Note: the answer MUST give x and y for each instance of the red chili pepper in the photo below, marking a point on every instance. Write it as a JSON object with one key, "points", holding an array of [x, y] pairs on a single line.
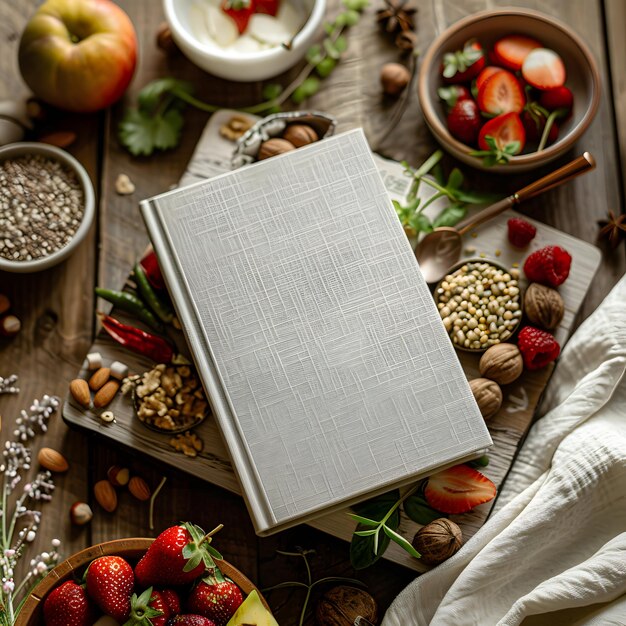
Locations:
{"points": [[150, 265], [152, 346]]}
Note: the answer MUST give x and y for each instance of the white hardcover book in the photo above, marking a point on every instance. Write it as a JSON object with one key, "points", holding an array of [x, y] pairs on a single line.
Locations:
{"points": [[327, 366]]}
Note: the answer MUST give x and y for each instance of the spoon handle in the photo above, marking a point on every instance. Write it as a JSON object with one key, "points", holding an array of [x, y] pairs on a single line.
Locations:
{"points": [[579, 165]]}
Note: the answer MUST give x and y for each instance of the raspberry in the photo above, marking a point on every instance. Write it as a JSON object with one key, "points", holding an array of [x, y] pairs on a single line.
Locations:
{"points": [[538, 347], [548, 266], [521, 232]]}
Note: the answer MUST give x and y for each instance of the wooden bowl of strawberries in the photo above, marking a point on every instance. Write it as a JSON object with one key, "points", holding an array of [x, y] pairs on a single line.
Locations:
{"points": [[508, 90], [177, 579]]}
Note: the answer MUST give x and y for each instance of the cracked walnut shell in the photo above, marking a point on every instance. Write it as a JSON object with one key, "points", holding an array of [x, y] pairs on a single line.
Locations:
{"points": [[502, 363], [544, 306]]}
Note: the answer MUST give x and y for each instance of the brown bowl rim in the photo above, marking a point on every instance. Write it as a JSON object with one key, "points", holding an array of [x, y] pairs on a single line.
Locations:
{"points": [[118, 547], [458, 266], [525, 160]]}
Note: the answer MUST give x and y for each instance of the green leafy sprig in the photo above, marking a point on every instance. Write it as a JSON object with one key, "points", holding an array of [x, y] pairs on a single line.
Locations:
{"points": [[157, 121], [497, 155], [411, 214], [311, 584]]}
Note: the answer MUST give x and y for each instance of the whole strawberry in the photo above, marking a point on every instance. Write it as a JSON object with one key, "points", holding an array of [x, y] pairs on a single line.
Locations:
{"points": [[215, 599], [172, 600], [148, 609], [549, 266], [190, 620], [110, 583], [176, 557], [464, 121], [538, 347], [521, 232], [68, 605]]}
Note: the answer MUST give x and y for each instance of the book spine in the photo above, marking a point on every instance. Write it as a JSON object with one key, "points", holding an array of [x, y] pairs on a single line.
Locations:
{"points": [[202, 355]]}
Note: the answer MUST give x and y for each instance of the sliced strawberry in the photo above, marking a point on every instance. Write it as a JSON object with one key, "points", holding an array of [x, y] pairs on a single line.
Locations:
{"points": [[544, 69], [512, 50], [557, 98], [464, 65], [486, 73], [464, 121], [507, 132], [501, 93], [269, 7], [458, 489], [241, 11]]}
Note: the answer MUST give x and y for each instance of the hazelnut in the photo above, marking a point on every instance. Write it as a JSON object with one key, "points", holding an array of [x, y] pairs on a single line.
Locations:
{"points": [[118, 476], [502, 363], [80, 513], [300, 135], [544, 306], [164, 40], [438, 541], [273, 147], [394, 77], [488, 396]]}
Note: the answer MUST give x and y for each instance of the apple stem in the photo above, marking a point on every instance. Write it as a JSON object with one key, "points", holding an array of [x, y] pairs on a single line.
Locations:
{"points": [[209, 536]]}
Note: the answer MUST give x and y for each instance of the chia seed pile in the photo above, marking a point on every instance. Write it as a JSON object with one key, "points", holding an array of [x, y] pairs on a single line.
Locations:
{"points": [[41, 207]]}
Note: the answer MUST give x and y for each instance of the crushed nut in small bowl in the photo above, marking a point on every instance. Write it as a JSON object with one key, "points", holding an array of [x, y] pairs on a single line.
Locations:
{"points": [[480, 304], [170, 399]]}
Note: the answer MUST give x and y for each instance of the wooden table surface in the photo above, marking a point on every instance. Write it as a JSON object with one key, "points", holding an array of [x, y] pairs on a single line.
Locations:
{"points": [[57, 307]]}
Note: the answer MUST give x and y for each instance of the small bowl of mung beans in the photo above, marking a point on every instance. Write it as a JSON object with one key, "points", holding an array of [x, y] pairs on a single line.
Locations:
{"points": [[47, 206], [480, 304]]}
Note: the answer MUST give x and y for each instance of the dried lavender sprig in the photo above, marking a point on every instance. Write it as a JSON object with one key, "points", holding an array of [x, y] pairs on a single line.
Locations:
{"points": [[9, 384]]}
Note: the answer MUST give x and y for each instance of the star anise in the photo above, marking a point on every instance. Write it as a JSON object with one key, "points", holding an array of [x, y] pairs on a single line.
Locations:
{"points": [[613, 228], [396, 17]]}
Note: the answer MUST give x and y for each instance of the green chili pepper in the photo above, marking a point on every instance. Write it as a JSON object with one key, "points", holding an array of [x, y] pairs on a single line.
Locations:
{"points": [[132, 304], [151, 298]]}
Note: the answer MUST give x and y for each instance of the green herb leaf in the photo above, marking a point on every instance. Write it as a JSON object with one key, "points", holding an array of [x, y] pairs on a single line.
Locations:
{"points": [[355, 5], [325, 67], [377, 508], [149, 97], [314, 54], [419, 511], [364, 521], [450, 216], [142, 134], [348, 18], [421, 223], [401, 541], [271, 91], [455, 180], [366, 533], [341, 44], [329, 28], [365, 551]]}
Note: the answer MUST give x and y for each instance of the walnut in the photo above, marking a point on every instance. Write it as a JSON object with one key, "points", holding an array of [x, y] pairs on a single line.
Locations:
{"points": [[189, 444], [438, 541], [273, 147], [488, 396], [344, 605], [300, 135], [544, 306], [236, 127], [502, 363], [394, 78]]}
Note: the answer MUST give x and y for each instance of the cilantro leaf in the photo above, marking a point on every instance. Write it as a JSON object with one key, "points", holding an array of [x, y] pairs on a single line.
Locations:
{"points": [[142, 134], [151, 96]]}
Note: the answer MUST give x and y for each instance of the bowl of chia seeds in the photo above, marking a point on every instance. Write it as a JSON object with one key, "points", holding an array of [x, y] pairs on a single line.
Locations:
{"points": [[47, 206]]}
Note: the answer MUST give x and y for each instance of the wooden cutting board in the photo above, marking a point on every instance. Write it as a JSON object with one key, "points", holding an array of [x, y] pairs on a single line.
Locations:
{"points": [[507, 428]]}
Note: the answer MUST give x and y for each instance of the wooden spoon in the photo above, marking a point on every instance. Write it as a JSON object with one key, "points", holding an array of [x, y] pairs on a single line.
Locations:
{"points": [[441, 249]]}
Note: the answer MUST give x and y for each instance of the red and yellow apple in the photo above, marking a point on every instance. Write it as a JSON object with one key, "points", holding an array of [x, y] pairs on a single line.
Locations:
{"points": [[78, 55]]}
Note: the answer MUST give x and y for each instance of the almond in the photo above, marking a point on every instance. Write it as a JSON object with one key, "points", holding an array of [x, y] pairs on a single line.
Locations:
{"points": [[52, 460], [139, 488], [80, 392], [118, 476], [99, 377], [105, 495], [106, 393]]}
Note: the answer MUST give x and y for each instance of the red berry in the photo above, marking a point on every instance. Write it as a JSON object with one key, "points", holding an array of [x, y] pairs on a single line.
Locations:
{"points": [[68, 605], [506, 131], [458, 489], [453, 94], [521, 232], [241, 11], [172, 600], [190, 620], [462, 66], [538, 347], [501, 93], [110, 584], [217, 601], [543, 69], [269, 7], [488, 72], [512, 50], [557, 98], [549, 266], [464, 121]]}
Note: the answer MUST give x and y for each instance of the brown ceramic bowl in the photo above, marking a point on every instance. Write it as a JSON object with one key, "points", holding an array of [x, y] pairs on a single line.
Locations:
{"points": [[131, 549], [487, 27]]}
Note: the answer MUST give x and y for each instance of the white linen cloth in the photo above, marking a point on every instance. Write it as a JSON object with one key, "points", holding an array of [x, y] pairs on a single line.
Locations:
{"points": [[554, 551]]}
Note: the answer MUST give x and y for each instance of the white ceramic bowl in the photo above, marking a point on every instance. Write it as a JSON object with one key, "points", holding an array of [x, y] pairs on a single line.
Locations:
{"points": [[583, 79], [242, 67], [15, 150]]}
